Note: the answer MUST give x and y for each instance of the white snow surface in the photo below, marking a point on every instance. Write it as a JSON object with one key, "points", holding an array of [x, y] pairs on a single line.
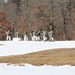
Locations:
{"points": [[24, 47], [36, 70]]}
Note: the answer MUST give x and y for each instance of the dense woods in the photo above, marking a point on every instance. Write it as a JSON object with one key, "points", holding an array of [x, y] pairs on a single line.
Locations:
{"points": [[4, 25], [28, 15]]}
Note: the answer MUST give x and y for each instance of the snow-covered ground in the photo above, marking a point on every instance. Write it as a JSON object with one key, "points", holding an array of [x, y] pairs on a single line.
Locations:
{"points": [[36, 70], [23, 47]]}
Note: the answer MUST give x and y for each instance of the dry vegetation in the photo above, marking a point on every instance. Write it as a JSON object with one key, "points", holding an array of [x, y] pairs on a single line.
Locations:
{"points": [[50, 57]]}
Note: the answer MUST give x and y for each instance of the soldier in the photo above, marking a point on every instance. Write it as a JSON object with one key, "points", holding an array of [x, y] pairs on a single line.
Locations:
{"points": [[37, 35], [16, 34], [44, 35], [34, 38], [51, 26], [8, 37], [25, 36], [31, 34], [41, 34], [50, 35]]}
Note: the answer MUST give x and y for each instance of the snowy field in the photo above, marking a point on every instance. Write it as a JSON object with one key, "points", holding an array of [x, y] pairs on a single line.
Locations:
{"points": [[36, 70], [23, 47]]}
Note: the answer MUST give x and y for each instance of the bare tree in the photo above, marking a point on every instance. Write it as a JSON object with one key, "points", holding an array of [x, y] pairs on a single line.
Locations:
{"points": [[64, 13]]}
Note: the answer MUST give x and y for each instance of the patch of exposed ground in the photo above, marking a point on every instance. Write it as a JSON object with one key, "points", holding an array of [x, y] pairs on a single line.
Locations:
{"points": [[50, 57]]}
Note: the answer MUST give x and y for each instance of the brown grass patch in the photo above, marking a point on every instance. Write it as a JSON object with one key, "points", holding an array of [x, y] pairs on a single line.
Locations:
{"points": [[50, 57]]}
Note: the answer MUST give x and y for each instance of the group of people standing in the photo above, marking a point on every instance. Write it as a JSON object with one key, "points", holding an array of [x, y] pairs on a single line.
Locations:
{"points": [[8, 35], [40, 35]]}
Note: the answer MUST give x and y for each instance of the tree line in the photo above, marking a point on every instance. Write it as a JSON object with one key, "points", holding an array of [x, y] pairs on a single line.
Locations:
{"points": [[39, 14]]}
